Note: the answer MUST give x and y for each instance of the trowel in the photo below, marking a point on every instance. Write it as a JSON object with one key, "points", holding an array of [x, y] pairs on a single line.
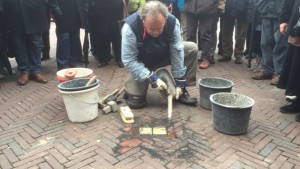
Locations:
{"points": [[169, 93]]}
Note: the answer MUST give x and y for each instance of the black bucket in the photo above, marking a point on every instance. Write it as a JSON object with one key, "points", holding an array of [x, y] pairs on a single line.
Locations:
{"points": [[212, 85], [77, 84], [231, 112]]}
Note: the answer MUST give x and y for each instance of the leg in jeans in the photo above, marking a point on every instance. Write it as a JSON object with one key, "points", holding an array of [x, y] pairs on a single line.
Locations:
{"points": [[21, 52], [267, 45], [34, 45], [280, 51], [63, 50]]}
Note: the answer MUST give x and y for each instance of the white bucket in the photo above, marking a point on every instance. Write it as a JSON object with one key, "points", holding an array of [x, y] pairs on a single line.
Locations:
{"points": [[82, 105]]}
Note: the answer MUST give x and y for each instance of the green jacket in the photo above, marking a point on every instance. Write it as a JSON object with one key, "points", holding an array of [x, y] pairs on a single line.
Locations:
{"points": [[134, 5]]}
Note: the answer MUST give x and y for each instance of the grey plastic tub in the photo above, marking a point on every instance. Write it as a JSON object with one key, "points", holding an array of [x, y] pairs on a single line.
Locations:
{"points": [[77, 84], [231, 112], [212, 85]]}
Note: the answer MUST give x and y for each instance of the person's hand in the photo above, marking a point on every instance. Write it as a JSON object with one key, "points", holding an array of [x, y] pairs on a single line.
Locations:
{"points": [[156, 82], [283, 28], [179, 84]]}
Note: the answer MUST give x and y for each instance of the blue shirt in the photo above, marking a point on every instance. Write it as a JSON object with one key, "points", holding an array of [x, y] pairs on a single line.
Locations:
{"points": [[137, 68]]}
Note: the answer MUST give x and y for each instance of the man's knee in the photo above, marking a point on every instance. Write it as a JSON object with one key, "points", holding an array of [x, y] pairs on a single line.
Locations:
{"points": [[135, 101]]}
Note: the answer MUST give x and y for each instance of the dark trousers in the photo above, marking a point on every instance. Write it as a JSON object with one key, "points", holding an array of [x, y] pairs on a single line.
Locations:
{"points": [[69, 51], [103, 43]]}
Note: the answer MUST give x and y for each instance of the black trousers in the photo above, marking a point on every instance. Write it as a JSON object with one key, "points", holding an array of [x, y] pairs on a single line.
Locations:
{"points": [[103, 43]]}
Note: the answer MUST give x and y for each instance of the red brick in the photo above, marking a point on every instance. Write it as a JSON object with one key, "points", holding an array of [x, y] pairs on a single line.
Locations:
{"points": [[131, 143], [58, 156]]}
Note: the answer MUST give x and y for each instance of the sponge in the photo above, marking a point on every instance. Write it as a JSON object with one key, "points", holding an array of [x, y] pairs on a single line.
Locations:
{"points": [[126, 114]]}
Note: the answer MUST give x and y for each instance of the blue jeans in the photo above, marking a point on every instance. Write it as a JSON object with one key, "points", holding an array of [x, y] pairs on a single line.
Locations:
{"points": [[273, 46], [28, 52], [68, 50]]}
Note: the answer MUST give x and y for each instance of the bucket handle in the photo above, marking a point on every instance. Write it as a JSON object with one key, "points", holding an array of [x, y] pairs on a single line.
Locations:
{"points": [[84, 101]]}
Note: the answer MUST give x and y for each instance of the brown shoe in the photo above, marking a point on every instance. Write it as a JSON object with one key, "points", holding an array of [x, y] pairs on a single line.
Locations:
{"points": [[24, 78], [38, 77], [261, 76], [275, 80], [204, 64]]}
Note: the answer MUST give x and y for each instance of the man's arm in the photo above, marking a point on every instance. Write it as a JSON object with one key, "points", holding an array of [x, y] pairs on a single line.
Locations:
{"points": [[130, 53], [177, 53]]}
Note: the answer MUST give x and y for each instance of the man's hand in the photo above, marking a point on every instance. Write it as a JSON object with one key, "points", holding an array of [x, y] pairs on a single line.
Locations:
{"points": [[180, 84], [283, 28], [157, 83]]}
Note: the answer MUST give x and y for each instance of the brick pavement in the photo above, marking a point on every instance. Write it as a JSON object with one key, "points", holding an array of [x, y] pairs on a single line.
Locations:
{"points": [[35, 131]]}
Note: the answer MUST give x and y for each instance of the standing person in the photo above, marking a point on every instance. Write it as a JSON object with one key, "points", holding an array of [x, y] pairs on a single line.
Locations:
{"points": [[290, 79], [27, 20], [273, 44], [208, 19], [151, 39], [103, 18], [234, 18], [68, 16]]}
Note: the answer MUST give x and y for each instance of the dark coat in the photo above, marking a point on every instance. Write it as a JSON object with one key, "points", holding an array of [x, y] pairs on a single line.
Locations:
{"points": [[290, 14], [252, 14], [68, 15], [269, 8], [104, 15], [201, 7], [25, 16], [2, 23], [236, 8]]}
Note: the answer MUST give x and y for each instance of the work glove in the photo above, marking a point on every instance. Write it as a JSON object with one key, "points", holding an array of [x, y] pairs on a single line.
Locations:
{"points": [[156, 82], [179, 84]]}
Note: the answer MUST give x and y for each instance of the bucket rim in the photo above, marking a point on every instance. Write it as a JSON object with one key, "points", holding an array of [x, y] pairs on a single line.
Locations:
{"points": [[227, 106], [79, 91], [97, 81], [218, 78]]}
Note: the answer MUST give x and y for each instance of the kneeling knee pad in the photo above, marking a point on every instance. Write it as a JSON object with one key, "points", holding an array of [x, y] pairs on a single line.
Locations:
{"points": [[134, 101]]}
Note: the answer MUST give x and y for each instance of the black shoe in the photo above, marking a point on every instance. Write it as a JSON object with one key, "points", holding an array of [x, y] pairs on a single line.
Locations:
{"points": [[224, 59], [45, 57], [297, 118], [185, 98], [291, 108], [120, 64], [102, 64]]}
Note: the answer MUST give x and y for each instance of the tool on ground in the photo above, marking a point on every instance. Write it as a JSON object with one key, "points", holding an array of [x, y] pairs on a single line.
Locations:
{"points": [[126, 114], [109, 103], [170, 93], [92, 80]]}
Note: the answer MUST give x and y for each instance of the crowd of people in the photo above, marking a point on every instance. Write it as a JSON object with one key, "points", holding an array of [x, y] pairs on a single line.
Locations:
{"points": [[268, 28]]}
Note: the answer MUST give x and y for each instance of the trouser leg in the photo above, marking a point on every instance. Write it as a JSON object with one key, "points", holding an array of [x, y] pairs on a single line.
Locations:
{"points": [[190, 61], [240, 37], [267, 46]]}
